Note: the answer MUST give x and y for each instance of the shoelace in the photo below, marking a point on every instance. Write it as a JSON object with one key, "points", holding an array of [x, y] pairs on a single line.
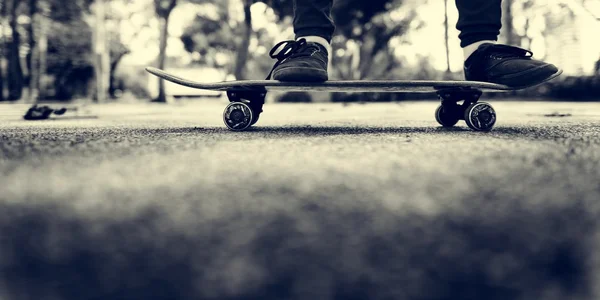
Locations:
{"points": [[290, 49], [505, 51]]}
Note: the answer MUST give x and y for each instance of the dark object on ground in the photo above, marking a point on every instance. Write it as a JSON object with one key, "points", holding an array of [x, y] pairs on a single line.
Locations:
{"points": [[42, 112], [557, 114]]}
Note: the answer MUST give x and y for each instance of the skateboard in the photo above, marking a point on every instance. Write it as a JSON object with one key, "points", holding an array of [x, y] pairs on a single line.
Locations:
{"points": [[247, 97]]}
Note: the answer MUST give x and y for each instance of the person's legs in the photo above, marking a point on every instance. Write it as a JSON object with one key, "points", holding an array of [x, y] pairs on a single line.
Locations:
{"points": [[306, 59], [479, 24], [479, 21], [313, 18]]}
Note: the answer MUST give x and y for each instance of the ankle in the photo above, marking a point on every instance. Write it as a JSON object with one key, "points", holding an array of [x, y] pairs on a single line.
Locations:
{"points": [[317, 39], [470, 49]]}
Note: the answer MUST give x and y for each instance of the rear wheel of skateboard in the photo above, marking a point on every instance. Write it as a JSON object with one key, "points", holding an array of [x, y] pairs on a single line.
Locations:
{"points": [[445, 117], [238, 116], [480, 116]]}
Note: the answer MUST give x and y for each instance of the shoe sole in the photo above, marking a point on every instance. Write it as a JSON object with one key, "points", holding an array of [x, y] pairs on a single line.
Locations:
{"points": [[300, 74]]}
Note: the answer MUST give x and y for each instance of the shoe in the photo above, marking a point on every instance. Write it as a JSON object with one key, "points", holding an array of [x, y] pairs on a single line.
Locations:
{"points": [[299, 61], [508, 65]]}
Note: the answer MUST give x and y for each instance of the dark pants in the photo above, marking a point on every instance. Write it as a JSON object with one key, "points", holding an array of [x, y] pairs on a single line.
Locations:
{"points": [[478, 19]]}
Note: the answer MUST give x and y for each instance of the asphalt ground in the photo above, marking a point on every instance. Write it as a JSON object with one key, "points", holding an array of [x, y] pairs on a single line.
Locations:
{"points": [[320, 201]]}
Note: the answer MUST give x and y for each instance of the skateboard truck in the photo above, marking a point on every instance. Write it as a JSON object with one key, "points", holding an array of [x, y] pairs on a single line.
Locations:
{"points": [[479, 116], [467, 94], [244, 108]]}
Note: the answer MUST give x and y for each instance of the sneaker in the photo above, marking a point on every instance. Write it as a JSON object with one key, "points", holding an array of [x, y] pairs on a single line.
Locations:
{"points": [[508, 65], [299, 61]]}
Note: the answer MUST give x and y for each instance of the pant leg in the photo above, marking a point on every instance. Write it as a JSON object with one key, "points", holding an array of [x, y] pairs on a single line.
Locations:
{"points": [[313, 17], [478, 20]]}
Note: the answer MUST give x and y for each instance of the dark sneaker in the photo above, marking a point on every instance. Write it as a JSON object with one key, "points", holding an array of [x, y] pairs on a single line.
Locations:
{"points": [[508, 65], [299, 61]]}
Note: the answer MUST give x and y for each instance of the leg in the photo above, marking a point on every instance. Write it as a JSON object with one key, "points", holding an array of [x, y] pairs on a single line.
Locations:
{"points": [[313, 18], [306, 58], [480, 22]]}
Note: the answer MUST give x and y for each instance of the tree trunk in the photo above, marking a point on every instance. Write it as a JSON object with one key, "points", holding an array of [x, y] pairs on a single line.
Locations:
{"points": [[31, 39], [163, 9], [32, 58], [446, 37], [40, 54], [1, 70], [101, 54], [162, 56], [507, 22], [2, 47], [242, 53], [15, 73], [113, 69]]}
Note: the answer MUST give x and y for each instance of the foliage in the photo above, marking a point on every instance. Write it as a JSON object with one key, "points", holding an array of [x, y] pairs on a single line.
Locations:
{"points": [[69, 58], [68, 11], [571, 88], [209, 35], [365, 38], [282, 8]]}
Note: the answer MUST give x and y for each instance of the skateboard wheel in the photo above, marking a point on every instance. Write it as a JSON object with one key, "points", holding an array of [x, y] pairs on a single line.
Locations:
{"points": [[445, 118], [480, 116], [238, 116]]}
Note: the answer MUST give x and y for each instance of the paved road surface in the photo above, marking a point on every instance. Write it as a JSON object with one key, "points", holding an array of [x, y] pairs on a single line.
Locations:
{"points": [[317, 202]]}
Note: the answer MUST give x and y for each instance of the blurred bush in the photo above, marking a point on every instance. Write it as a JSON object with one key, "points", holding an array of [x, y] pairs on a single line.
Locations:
{"points": [[585, 88], [69, 60], [133, 80], [295, 97]]}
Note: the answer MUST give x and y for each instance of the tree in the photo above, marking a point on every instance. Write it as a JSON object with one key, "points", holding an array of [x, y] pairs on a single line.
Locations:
{"points": [[281, 7], [15, 72], [2, 47], [163, 9], [38, 47], [507, 22], [370, 26], [32, 46], [213, 35], [446, 37], [101, 53], [242, 52], [69, 58], [117, 52]]}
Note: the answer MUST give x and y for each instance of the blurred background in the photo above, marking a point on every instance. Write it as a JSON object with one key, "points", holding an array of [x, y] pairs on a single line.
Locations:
{"points": [[96, 50]]}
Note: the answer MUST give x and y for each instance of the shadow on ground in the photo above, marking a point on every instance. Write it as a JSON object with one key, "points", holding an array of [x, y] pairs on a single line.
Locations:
{"points": [[483, 249]]}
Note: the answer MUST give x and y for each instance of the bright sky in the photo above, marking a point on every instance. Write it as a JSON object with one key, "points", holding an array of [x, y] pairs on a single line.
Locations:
{"points": [[427, 41]]}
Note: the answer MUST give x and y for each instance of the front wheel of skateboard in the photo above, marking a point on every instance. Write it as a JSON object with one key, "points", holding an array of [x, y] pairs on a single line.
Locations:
{"points": [[238, 116], [445, 117], [480, 116]]}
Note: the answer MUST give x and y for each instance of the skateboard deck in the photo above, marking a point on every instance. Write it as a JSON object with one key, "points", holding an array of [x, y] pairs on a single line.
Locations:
{"points": [[391, 86]]}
